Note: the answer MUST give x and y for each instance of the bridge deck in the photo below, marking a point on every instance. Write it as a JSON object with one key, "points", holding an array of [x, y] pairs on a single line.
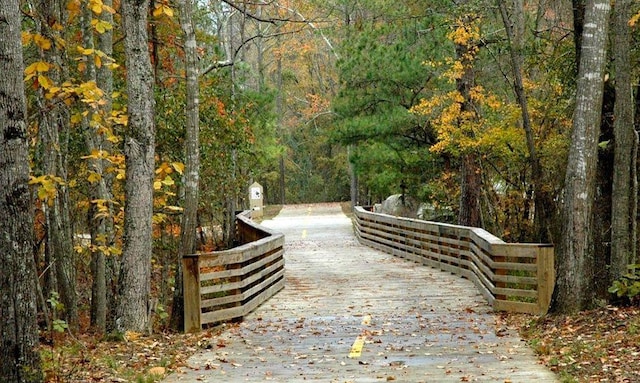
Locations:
{"points": [[352, 314]]}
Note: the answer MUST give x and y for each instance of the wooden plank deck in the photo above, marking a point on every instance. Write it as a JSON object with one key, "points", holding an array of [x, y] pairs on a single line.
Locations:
{"points": [[352, 314]]}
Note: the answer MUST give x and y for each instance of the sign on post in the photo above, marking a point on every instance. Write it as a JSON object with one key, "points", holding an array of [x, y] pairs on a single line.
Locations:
{"points": [[255, 200]]}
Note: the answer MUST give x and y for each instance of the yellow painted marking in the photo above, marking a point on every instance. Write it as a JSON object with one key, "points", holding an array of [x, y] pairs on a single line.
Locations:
{"points": [[304, 233], [356, 349]]}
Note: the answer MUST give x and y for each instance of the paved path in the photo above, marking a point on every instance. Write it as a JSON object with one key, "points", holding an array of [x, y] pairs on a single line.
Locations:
{"points": [[352, 314]]}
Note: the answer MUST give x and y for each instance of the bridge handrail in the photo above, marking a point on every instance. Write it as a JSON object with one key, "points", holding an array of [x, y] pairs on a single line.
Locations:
{"points": [[516, 277], [228, 284]]}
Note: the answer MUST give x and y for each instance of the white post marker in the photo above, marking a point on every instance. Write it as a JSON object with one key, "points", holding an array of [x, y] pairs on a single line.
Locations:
{"points": [[255, 200]]}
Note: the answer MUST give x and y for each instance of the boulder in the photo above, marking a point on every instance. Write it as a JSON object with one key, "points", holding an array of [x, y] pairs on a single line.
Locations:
{"points": [[400, 206]]}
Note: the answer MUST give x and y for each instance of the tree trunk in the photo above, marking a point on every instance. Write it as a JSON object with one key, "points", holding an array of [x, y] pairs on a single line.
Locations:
{"points": [[470, 183], [192, 149], [578, 27], [514, 27], [280, 113], [623, 246], [54, 133], [135, 272], [470, 177], [574, 253], [19, 356], [100, 221], [105, 83]]}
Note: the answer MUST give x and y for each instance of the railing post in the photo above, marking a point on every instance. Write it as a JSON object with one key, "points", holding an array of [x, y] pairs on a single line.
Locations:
{"points": [[546, 277], [191, 291]]}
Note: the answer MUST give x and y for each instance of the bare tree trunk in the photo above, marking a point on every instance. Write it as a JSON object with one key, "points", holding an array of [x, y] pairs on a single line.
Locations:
{"points": [[623, 246], [100, 221], [574, 254], [54, 133], [280, 112], [19, 356], [192, 149], [470, 183], [514, 27], [132, 311], [105, 83]]}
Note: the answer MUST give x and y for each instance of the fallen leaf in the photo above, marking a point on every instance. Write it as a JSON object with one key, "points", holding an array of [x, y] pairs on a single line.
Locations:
{"points": [[160, 371]]}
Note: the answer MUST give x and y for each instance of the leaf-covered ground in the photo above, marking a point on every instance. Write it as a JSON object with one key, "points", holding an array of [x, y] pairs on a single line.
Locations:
{"points": [[602, 345], [596, 346], [136, 358]]}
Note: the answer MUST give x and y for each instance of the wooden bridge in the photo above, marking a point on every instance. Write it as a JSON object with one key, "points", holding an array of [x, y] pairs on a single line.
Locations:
{"points": [[349, 313]]}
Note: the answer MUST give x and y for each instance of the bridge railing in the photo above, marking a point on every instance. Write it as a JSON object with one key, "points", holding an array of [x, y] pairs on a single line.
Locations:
{"points": [[512, 277], [225, 285]]}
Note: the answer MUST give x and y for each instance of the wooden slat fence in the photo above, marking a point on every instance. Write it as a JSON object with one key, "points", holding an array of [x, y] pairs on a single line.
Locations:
{"points": [[225, 285], [513, 277]]}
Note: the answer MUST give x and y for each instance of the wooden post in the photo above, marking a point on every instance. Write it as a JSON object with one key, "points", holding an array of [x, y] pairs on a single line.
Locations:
{"points": [[191, 288], [546, 277]]}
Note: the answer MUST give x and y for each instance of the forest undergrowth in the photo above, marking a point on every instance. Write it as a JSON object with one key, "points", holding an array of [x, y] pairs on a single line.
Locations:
{"points": [[601, 345]]}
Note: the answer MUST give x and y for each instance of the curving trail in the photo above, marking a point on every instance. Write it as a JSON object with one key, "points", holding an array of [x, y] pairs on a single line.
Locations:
{"points": [[352, 314]]}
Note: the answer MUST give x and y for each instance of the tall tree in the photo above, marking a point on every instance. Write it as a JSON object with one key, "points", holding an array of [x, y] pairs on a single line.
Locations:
{"points": [[19, 357], [97, 141], [192, 153], [132, 311], [623, 204], [574, 255], [470, 176], [514, 24], [54, 129]]}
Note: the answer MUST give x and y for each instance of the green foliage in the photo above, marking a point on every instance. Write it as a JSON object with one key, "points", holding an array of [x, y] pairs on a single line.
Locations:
{"points": [[628, 286], [382, 76]]}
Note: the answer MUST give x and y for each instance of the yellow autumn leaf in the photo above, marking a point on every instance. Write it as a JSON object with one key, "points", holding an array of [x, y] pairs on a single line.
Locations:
{"points": [[96, 6], [98, 61], [94, 177], [38, 66], [178, 166], [168, 181], [44, 82], [76, 118], [36, 180], [42, 42], [157, 185], [167, 10], [73, 7], [161, 168], [159, 218], [102, 26], [85, 51], [157, 11], [26, 38]]}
